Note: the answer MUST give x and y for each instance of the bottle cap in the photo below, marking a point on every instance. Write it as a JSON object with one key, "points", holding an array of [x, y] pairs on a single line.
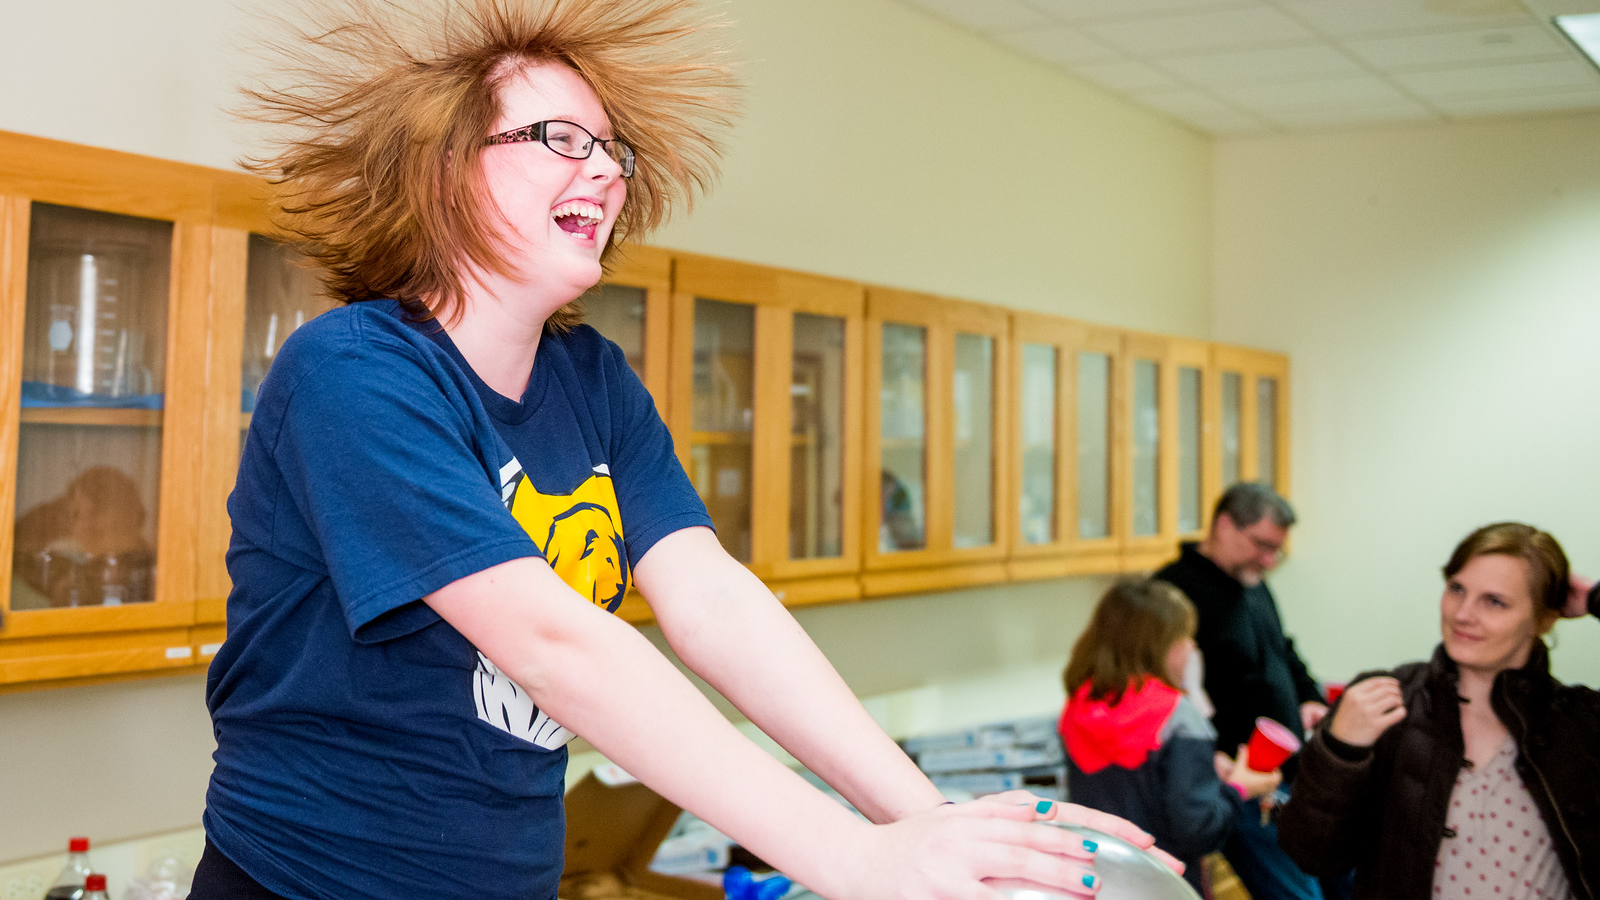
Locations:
{"points": [[94, 883], [78, 845]]}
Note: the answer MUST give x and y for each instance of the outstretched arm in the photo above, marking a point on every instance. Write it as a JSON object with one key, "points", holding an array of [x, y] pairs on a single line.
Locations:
{"points": [[729, 629], [599, 677]]}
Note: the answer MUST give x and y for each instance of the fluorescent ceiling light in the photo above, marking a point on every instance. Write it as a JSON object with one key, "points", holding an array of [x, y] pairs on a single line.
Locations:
{"points": [[1584, 32]]}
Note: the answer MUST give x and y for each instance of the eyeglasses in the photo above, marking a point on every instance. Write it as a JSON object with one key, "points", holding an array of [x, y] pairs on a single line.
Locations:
{"points": [[567, 139], [1266, 547]]}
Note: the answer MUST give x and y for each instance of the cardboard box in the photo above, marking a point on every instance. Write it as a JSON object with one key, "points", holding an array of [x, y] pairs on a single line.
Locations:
{"points": [[614, 825]]}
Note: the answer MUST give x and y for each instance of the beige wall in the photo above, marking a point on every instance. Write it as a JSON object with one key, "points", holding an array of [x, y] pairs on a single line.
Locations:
{"points": [[1438, 293], [857, 159]]}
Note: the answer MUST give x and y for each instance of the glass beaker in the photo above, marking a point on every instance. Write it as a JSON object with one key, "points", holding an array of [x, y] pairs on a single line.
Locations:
{"points": [[83, 329]]}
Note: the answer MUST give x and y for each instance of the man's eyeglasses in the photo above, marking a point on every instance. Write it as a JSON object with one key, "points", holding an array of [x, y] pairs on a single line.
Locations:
{"points": [[1266, 547], [567, 139]]}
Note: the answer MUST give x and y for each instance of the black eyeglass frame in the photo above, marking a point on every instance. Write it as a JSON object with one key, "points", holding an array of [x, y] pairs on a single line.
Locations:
{"points": [[537, 133]]}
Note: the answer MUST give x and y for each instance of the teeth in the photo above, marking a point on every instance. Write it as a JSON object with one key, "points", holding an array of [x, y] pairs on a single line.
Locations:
{"points": [[591, 212]]}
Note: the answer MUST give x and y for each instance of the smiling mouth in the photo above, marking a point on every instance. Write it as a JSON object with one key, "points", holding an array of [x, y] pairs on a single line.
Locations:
{"points": [[578, 218]]}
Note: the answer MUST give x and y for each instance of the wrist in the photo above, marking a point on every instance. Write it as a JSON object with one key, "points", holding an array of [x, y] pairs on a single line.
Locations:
{"points": [[1241, 790]]}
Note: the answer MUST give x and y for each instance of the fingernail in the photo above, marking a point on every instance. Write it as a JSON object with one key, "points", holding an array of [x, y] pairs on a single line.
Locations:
{"points": [[1043, 807], [1089, 880], [1091, 846]]}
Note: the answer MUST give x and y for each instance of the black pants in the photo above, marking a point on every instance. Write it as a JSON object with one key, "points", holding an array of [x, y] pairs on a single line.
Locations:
{"points": [[217, 878]]}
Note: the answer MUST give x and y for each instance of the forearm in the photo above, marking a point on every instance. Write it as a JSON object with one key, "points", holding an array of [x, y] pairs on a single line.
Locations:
{"points": [[736, 636], [1332, 800], [600, 678]]}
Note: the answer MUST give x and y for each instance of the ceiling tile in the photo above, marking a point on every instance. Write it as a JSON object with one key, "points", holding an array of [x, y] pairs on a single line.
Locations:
{"points": [[1058, 44], [1342, 93], [1200, 31], [1128, 76], [1508, 78], [1548, 101], [1309, 117], [1456, 48], [1346, 18], [1264, 65], [1072, 11], [989, 15]]}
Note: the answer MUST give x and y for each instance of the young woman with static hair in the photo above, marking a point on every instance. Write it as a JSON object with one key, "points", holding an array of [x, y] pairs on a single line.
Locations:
{"points": [[1473, 774], [449, 483], [1136, 746]]}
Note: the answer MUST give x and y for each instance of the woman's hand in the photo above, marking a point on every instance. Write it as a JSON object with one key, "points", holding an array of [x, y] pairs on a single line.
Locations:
{"points": [[1578, 597], [1367, 709], [974, 850], [1255, 784], [968, 851]]}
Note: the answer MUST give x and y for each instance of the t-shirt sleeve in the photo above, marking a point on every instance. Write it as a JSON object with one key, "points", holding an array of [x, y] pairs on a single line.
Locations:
{"points": [[387, 472]]}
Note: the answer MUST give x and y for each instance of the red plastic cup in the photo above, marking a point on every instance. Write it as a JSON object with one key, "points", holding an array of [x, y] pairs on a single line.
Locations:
{"points": [[1334, 690], [1271, 744]]}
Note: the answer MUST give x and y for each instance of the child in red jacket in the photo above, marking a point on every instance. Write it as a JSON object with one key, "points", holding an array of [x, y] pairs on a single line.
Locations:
{"points": [[1136, 745]]}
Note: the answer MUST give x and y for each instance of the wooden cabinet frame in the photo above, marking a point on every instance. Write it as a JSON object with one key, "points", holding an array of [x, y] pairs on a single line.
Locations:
{"points": [[776, 296], [940, 564], [68, 644], [1253, 365]]}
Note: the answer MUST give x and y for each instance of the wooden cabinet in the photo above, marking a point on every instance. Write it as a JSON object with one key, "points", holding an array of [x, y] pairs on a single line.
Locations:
{"points": [[1252, 400], [1068, 486], [766, 407], [849, 441], [1166, 447], [937, 443], [109, 265]]}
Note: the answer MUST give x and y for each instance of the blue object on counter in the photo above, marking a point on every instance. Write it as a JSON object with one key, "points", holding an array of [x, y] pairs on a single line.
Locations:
{"points": [[43, 395], [739, 884]]}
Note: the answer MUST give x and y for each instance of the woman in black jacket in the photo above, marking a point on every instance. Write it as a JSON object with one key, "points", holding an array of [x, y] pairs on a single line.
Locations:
{"points": [[1475, 774]]}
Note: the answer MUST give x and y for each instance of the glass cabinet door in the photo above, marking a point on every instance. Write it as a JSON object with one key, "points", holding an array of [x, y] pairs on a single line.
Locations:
{"points": [[619, 312], [817, 452], [1190, 440], [1189, 467], [974, 407], [903, 438], [1267, 430], [1146, 448], [722, 410], [281, 294], [1232, 427], [632, 308], [88, 476], [1037, 505], [1095, 408]]}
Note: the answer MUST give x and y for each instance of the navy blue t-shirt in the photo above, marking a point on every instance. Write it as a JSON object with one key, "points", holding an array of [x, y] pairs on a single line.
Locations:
{"points": [[364, 747]]}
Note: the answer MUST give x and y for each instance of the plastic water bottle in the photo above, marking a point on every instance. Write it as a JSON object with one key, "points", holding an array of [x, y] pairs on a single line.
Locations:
{"points": [[69, 884], [94, 888]]}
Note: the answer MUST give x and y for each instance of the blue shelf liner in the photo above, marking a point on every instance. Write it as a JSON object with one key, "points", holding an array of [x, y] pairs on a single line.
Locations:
{"points": [[42, 395]]}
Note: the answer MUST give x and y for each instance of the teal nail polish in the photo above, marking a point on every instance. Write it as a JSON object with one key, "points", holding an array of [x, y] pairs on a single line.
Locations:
{"points": [[1091, 846], [1088, 881], [1043, 807]]}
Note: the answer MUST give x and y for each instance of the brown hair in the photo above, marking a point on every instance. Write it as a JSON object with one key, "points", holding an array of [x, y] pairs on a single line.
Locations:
{"points": [[386, 111], [1548, 574], [1133, 627]]}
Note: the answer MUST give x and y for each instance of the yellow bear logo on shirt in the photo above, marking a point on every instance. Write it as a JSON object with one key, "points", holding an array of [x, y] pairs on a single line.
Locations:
{"points": [[580, 535]]}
